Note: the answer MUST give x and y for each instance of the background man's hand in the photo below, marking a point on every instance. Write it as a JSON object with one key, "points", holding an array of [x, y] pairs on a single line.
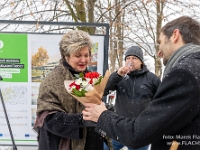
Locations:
{"points": [[123, 70]]}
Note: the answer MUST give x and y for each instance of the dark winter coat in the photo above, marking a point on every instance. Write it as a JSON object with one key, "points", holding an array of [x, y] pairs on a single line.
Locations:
{"points": [[173, 114], [133, 94]]}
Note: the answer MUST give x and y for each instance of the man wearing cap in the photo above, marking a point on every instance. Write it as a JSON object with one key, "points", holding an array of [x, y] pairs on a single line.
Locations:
{"points": [[134, 90]]}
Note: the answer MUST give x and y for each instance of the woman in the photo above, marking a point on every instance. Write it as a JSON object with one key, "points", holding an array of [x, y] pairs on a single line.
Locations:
{"points": [[59, 120]]}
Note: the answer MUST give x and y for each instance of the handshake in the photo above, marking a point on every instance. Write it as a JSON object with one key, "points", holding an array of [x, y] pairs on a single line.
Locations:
{"points": [[87, 123]]}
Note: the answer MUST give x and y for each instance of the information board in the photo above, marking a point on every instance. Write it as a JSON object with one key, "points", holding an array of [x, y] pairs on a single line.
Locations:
{"points": [[22, 78]]}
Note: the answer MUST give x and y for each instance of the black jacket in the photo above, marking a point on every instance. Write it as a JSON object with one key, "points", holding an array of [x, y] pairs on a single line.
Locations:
{"points": [[134, 93], [62, 125], [173, 114]]}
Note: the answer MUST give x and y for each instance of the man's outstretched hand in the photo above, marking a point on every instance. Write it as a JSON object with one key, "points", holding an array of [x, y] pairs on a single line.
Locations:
{"points": [[93, 111]]}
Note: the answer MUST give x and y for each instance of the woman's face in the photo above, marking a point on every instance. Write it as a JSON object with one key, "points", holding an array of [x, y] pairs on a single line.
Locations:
{"points": [[79, 60]]}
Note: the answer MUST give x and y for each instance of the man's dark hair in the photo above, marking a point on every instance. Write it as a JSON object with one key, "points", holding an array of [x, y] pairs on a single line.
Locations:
{"points": [[188, 27]]}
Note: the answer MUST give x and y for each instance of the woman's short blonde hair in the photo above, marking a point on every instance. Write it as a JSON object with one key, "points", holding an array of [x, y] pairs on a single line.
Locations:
{"points": [[74, 41]]}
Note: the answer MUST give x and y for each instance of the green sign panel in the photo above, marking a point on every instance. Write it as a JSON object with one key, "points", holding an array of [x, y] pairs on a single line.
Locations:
{"points": [[13, 57]]}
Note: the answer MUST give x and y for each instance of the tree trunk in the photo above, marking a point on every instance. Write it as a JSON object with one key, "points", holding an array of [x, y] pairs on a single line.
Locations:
{"points": [[158, 64], [120, 35], [113, 47], [91, 15]]}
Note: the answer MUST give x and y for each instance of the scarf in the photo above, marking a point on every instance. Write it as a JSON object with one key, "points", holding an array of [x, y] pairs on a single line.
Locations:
{"points": [[180, 54]]}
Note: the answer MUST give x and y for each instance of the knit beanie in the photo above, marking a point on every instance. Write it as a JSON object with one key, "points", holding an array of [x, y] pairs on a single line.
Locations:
{"points": [[135, 51]]}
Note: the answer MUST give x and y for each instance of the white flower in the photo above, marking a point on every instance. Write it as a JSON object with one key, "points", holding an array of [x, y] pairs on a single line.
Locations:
{"points": [[89, 87], [94, 81], [78, 81], [84, 83]]}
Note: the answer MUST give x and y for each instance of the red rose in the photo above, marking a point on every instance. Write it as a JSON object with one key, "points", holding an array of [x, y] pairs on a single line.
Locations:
{"points": [[92, 75], [76, 85]]}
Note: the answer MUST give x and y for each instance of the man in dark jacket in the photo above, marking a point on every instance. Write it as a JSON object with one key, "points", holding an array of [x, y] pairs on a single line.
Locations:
{"points": [[135, 90], [174, 112]]}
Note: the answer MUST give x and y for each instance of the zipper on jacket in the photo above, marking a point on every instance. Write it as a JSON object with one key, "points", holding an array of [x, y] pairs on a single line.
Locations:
{"points": [[133, 89]]}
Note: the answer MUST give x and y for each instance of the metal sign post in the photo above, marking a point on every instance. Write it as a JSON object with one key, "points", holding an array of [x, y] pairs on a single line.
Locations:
{"points": [[7, 120]]}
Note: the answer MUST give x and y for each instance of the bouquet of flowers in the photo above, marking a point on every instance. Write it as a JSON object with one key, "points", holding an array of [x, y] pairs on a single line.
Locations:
{"points": [[87, 88]]}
